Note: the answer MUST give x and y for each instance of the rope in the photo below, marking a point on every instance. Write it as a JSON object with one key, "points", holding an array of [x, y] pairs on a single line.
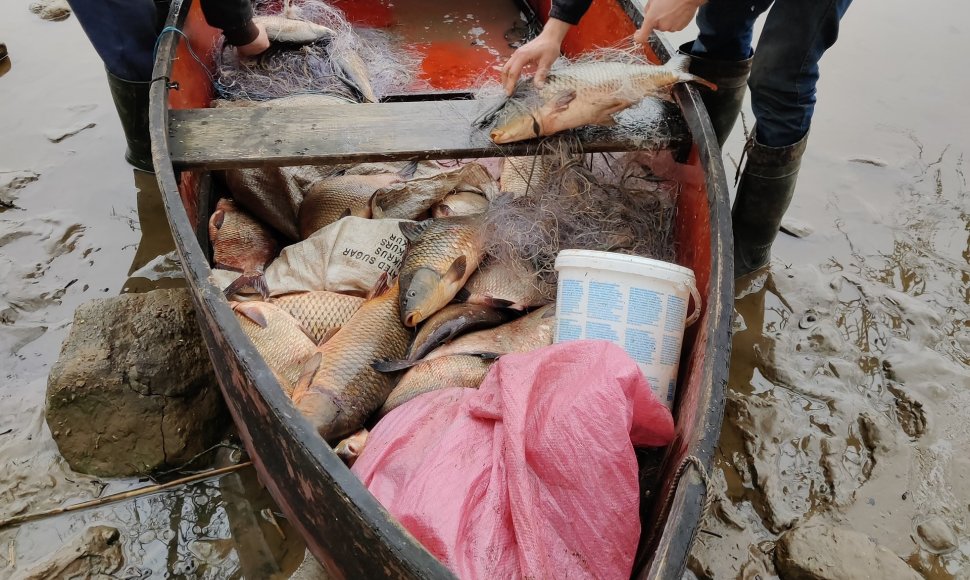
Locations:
{"points": [[668, 500]]}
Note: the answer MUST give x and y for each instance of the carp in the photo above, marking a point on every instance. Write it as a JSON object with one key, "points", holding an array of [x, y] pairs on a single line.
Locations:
{"points": [[451, 321], [320, 313], [525, 175], [242, 244], [441, 256], [278, 337], [293, 31], [457, 370], [507, 282], [587, 93], [339, 389], [459, 204], [532, 331], [330, 199], [412, 199]]}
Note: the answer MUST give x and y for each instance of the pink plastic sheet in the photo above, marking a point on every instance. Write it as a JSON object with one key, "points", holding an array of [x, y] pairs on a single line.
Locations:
{"points": [[533, 474]]}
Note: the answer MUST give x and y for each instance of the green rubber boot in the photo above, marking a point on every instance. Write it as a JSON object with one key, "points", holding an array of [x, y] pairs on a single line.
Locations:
{"points": [[131, 102], [766, 189], [724, 104]]}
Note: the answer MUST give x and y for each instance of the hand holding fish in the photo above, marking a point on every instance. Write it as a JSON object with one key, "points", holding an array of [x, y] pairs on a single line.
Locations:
{"points": [[543, 50], [666, 16], [258, 45]]}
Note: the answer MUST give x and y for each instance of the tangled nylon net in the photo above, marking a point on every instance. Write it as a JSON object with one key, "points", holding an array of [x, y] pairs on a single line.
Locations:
{"points": [[318, 68], [605, 202]]}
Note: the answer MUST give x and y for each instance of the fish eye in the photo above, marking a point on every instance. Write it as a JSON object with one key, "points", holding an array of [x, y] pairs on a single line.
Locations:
{"points": [[412, 293]]}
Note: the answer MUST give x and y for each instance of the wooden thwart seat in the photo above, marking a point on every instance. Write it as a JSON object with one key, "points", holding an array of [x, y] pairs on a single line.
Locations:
{"points": [[223, 138]]}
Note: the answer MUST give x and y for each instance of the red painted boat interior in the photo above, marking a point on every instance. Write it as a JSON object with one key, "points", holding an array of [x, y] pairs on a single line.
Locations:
{"points": [[452, 57]]}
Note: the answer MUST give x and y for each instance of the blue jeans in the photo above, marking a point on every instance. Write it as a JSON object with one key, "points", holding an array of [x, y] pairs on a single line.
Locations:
{"points": [[123, 33], [785, 67]]}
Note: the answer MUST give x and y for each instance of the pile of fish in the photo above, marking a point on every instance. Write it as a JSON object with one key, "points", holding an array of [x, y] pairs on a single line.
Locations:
{"points": [[437, 315]]}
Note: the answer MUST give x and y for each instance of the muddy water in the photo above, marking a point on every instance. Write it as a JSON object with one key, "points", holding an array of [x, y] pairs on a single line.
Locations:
{"points": [[849, 393], [849, 398], [83, 225]]}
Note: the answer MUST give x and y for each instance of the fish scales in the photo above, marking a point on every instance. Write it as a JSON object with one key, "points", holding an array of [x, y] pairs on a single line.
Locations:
{"points": [[282, 343], [319, 312], [451, 321], [532, 331], [241, 243], [290, 30], [343, 389], [508, 280], [330, 199], [442, 255], [465, 371]]}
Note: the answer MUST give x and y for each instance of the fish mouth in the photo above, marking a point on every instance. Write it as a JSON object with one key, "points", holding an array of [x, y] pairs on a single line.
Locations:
{"points": [[412, 319]]}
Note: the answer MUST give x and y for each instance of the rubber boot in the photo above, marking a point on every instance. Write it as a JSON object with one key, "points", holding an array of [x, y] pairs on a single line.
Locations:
{"points": [[131, 102], [765, 190], [724, 104]]}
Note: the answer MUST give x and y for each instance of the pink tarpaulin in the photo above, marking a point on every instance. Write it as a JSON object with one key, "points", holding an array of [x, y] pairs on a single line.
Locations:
{"points": [[531, 475]]}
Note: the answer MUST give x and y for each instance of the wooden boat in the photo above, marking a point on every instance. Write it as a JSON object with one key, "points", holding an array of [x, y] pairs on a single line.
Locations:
{"points": [[342, 523]]}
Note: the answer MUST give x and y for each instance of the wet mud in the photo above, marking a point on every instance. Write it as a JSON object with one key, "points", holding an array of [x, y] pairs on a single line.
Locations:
{"points": [[848, 402], [849, 394]]}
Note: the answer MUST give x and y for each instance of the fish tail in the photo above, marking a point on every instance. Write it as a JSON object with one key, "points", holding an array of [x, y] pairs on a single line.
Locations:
{"points": [[680, 64], [408, 171], [254, 280]]}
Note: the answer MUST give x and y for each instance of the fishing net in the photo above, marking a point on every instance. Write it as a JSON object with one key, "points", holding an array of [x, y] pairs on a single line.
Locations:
{"points": [[606, 202], [322, 67]]}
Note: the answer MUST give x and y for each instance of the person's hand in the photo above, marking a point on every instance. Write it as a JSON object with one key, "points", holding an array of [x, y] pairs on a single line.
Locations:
{"points": [[542, 51], [257, 46], [666, 16]]}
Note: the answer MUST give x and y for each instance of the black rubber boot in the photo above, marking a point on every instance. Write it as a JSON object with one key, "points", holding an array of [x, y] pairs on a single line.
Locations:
{"points": [[724, 104], [131, 102], [766, 189]]}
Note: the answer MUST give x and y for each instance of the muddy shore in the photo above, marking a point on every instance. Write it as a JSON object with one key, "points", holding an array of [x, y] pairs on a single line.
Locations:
{"points": [[849, 397]]}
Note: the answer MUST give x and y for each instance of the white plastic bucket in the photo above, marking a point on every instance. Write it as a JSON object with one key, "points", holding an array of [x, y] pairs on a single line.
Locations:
{"points": [[637, 303]]}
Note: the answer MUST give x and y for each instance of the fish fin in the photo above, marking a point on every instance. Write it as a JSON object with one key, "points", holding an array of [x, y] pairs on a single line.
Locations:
{"points": [[328, 335], [254, 280], [443, 210], [700, 81], [457, 270], [309, 370], [408, 171], [380, 286], [499, 303], [346, 213], [549, 313], [390, 366], [217, 219], [251, 312], [563, 100], [413, 230], [463, 295]]}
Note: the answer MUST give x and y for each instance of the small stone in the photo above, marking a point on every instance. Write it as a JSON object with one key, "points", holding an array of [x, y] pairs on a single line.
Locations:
{"points": [[51, 9], [821, 552], [936, 536]]}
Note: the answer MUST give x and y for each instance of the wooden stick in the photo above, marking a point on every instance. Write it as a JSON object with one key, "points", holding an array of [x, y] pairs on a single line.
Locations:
{"points": [[132, 493]]}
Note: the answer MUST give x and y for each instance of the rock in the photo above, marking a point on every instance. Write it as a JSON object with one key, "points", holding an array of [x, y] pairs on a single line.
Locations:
{"points": [[51, 9], [796, 228], [936, 536], [95, 553], [821, 552], [133, 389], [310, 569]]}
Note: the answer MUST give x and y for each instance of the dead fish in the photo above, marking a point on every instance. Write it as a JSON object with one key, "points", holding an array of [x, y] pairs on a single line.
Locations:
{"points": [[459, 204], [524, 175], [278, 337], [441, 256], [451, 321], [582, 94], [242, 244], [330, 199], [532, 331], [292, 31], [507, 283], [349, 449], [412, 199], [339, 389], [457, 370], [350, 68], [320, 313]]}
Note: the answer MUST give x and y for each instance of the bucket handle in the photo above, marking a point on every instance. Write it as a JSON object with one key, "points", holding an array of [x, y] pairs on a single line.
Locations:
{"points": [[696, 295]]}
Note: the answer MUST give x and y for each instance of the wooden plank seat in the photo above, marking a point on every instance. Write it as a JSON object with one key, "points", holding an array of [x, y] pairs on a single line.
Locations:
{"points": [[234, 137]]}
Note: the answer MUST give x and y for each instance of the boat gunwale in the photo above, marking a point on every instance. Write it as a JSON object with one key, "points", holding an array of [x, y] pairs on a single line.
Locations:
{"points": [[668, 557]]}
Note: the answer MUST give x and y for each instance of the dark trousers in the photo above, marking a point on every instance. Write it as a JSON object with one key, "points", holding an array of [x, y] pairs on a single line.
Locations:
{"points": [[123, 33], [785, 67]]}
